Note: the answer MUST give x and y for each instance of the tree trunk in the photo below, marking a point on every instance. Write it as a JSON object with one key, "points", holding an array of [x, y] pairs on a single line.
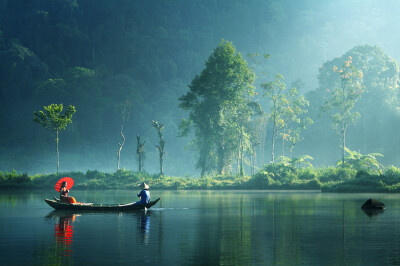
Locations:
{"points": [[241, 172], [161, 164], [273, 142], [58, 154], [120, 146], [221, 158], [343, 144]]}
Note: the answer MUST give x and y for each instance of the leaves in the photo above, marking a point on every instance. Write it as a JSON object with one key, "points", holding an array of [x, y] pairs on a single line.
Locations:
{"points": [[52, 118]]}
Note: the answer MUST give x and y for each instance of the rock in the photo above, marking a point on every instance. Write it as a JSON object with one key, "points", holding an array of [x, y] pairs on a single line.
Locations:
{"points": [[373, 204]]}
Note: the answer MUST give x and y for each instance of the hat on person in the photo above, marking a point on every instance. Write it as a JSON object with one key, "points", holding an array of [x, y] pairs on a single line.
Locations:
{"points": [[144, 186]]}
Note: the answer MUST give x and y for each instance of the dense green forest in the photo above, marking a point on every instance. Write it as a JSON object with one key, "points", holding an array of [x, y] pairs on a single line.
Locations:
{"points": [[102, 56]]}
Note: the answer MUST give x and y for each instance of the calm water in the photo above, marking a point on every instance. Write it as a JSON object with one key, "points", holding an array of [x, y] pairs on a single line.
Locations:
{"points": [[202, 228]]}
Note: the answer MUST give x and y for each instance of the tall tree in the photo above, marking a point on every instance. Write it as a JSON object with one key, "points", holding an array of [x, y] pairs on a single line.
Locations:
{"points": [[342, 99], [125, 114], [295, 117], [275, 92], [140, 151], [52, 119], [215, 101], [160, 147]]}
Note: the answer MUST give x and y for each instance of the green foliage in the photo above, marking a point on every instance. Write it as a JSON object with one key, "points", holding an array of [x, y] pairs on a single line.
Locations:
{"points": [[52, 119], [343, 98], [358, 161], [287, 113], [294, 162], [13, 179], [219, 108]]}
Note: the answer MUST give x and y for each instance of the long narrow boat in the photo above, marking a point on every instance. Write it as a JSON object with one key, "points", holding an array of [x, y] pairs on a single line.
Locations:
{"points": [[58, 205]]}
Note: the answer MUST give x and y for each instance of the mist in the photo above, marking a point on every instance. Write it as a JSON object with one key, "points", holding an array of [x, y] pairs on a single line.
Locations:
{"points": [[95, 55]]}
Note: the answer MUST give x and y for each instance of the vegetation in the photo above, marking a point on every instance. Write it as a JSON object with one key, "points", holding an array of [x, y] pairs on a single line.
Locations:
{"points": [[287, 174], [342, 100], [78, 53], [219, 105], [52, 119]]}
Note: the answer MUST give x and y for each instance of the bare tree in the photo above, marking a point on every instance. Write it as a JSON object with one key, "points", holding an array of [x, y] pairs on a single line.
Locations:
{"points": [[160, 147], [125, 114], [140, 151]]}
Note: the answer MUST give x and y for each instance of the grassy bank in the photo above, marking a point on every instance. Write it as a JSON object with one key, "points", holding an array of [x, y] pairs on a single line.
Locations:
{"points": [[276, 176]]}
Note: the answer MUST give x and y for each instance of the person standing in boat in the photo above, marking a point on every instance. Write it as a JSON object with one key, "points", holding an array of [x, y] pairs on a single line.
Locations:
{"points": [[64, 194], [144, 194]]}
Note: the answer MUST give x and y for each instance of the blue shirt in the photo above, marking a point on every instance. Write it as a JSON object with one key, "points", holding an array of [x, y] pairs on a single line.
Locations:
{"points": [[144, 197]]}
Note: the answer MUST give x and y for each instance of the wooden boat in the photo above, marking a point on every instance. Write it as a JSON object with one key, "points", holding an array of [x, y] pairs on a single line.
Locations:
{"points": [[58, 205]]}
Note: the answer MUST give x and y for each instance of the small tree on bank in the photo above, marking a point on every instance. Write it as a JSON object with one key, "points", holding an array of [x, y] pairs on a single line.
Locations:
{"points": [[52, 119], [160, 147], [125, 114], [140, 152]]}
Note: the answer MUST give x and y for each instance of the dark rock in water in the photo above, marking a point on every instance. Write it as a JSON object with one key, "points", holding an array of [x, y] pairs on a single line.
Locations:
{"points": [[373, 212], [373, 204]]}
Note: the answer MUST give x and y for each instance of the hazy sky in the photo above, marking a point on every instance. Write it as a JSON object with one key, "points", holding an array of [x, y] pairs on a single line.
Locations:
{"points": [[317, 31]]}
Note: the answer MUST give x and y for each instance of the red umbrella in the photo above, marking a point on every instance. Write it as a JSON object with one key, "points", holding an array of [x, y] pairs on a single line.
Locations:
{"points": [[69, 180]]}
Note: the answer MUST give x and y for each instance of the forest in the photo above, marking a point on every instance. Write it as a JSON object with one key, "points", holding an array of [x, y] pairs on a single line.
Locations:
{"points": [[190, 82]]}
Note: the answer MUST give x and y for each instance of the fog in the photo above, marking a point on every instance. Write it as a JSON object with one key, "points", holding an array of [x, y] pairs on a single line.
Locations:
{"points": [[96, 54]]}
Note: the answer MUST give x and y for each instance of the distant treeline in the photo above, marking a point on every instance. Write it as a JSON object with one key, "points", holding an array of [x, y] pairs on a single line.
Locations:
{"points": [[276, 176]]}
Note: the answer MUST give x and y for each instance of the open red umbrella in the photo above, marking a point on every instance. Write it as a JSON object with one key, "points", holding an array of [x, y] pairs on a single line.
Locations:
{"points": [[69, 180]]}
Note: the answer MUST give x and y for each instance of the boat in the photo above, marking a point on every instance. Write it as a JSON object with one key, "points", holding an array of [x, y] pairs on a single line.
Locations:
{"points": [[58, 205]]}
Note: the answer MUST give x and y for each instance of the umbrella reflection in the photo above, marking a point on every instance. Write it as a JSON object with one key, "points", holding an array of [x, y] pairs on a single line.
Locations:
{"points": [[63, 232]]}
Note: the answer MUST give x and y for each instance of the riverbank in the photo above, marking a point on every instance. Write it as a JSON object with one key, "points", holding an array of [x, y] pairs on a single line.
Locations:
{"points": [[272, 177]]}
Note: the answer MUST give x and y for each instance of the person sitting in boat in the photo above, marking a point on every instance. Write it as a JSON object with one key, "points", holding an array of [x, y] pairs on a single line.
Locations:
{"points": [[64, 194], [144, 194]]}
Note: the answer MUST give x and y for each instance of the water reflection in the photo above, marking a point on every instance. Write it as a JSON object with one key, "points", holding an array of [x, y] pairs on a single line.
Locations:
{"points": [[144, 227], [63, 232], [371, 212]]}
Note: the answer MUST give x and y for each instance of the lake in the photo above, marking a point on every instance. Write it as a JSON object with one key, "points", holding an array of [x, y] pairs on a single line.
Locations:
{"points": [[202, 228]]}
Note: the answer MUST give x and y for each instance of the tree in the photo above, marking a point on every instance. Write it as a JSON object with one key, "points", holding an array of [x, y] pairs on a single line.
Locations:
{"points": [[295, 119], [216, 100], [160, 147], [140, 151], [275, 92], [52, 119], [125, 114], [342, 100]]}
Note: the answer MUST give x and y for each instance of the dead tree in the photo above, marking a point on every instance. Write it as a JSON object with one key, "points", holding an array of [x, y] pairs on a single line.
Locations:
{"points": [[160, 147], [140, 152], [125, 113]]}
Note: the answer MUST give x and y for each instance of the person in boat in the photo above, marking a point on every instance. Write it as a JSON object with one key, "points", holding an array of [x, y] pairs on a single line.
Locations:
{"points": [[64, 194], [144, 194]]}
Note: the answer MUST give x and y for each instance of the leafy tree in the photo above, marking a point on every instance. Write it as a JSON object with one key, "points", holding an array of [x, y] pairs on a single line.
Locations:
{"points": [[52, 119], [296, 119], [342, 100], [275, 92], [216, 99]]}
